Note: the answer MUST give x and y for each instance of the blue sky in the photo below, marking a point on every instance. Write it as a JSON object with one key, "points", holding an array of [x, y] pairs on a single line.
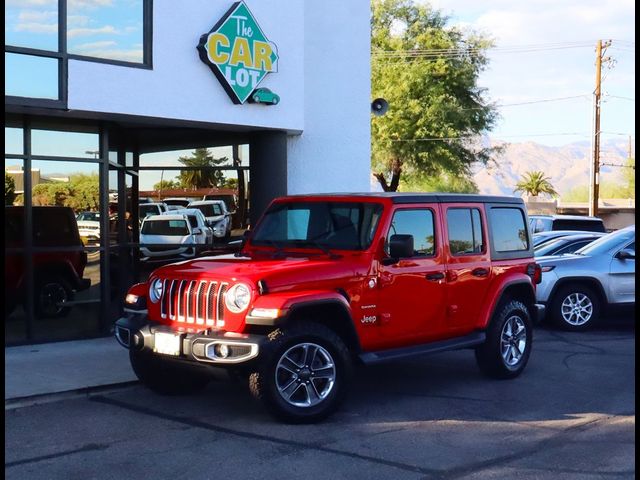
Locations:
{"points": [[545, 51]]}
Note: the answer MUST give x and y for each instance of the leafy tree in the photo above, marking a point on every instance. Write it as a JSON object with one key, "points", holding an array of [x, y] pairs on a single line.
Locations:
{"points": [[441, 183], [84, 192], [81, 192], [580, 193], [629, 174], [9, 189], [203, 177], [231, 183], [428, 73], [166, 185], [53, 193], [535, 183]]}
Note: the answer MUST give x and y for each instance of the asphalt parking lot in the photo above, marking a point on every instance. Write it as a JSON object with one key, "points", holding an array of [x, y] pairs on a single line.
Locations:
{"points": [[571, 415]]}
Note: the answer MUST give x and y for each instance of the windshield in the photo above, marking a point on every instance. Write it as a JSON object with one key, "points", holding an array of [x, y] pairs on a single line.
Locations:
{"points": [[176, 201], [89, 216], [604, 244], [174, 228], [549, 247], [211, 210], [347, 226]]}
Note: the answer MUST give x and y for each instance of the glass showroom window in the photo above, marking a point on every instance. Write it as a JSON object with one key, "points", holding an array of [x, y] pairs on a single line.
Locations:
{"points": [[32, 25], [31, 76], [108, 30]]}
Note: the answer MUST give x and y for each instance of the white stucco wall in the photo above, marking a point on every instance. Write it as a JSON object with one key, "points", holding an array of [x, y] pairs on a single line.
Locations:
{"points": [[323, 80], [181, 86], [333, 152]]}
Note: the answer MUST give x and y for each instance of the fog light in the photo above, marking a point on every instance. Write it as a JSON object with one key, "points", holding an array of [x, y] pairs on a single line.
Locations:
{"points": [[222, 350], [131, 298]]}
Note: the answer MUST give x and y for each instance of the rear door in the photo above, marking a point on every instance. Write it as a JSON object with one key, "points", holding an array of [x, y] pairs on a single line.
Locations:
{"points": [[468, 264]]}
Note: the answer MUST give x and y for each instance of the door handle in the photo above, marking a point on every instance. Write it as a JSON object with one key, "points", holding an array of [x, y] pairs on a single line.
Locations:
{"points": [[435, 276], [480, 272]]}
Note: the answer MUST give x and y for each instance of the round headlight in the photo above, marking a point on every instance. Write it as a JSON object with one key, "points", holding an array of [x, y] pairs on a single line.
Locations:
{"points": [[237, 298], [155, 290]]}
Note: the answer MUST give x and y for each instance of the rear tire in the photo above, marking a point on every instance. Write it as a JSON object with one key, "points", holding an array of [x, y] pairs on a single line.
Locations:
{"points": [[506, 351], [303, 374], [575, 308], [163, 378]]}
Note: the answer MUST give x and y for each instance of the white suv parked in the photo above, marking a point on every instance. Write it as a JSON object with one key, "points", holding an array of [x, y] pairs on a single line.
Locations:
{"points": [[217, 216], [170, 235], [198, 222]]}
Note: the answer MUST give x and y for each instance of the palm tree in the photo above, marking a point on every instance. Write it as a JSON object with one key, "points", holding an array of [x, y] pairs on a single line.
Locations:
{"points": [[202, 177], [535, 183]]}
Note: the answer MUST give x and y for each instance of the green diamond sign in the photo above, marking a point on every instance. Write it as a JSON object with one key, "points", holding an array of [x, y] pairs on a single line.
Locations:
{"points": [[238, 53]]}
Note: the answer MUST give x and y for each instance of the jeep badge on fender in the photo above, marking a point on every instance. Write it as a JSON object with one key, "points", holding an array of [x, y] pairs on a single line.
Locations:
{"points": [[326, 283]]}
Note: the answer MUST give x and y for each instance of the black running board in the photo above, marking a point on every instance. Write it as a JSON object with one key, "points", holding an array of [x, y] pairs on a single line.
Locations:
{"points": [[471, 340]]}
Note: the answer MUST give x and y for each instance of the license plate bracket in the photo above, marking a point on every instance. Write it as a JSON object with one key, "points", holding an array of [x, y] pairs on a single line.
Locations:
{"points": [[167, 343]]}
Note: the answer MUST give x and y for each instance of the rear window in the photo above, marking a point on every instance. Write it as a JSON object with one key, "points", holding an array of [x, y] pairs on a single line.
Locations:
{"points": [[508, 230], [584, 225], [146, 210], [211, 210], [165, 227]]}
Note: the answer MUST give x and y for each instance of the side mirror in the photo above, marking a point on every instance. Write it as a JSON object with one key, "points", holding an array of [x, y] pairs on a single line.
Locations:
{"points": [[197, 231], [401, 246], [626, 254]]}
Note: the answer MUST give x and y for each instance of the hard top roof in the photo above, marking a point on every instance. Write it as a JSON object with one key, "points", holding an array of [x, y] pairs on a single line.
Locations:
{"points": [[566, 217], [417, 197]]}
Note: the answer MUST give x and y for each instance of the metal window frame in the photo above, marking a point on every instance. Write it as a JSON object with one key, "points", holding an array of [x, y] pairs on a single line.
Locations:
{"points": [[63, 57], [29, 249]]}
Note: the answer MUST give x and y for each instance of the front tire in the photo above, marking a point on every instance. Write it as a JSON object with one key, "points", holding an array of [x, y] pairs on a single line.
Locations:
{"points": [[575, 308], [51, 292], [161, 377], [304, 373], [506, 351]]}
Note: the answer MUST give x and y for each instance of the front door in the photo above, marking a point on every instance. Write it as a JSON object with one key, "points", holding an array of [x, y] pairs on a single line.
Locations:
{"points": [[622, 278], [412, 291]]}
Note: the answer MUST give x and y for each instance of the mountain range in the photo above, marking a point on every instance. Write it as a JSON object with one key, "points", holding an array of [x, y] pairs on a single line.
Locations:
{"points": [[567, 166]]}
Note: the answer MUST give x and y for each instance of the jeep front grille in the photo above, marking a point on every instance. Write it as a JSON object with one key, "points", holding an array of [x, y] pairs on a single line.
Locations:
{"points": [[193, 301]]}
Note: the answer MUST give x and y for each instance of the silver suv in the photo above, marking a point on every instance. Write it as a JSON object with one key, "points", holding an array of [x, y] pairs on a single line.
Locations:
{"points": [[576, 288]]}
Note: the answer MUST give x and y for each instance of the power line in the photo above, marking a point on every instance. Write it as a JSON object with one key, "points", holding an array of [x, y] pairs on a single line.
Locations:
{"points": [[620, 97], [618, 165], [466, 51], [444, 139], [542, 100]]}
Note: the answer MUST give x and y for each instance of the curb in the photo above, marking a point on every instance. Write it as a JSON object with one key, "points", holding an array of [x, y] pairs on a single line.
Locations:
{"points": [[86, 392]]}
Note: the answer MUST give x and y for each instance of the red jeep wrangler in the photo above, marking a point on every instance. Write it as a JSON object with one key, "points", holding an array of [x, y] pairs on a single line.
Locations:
{"points": [[325, 282]]}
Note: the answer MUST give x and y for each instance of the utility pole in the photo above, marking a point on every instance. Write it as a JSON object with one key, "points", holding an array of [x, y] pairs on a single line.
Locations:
{"points": [[595, 169]]}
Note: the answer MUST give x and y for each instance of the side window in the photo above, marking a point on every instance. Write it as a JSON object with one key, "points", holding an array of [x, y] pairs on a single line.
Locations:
{"points": [[465, 231], [508, 231], [418, 223]]}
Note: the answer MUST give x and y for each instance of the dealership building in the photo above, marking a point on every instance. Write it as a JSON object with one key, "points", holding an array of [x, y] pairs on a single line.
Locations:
{"points": [[113, 103]]}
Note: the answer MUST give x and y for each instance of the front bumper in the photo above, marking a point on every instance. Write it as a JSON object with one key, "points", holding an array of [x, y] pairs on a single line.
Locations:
{"points": [[137, 332], [178, 252], [538, 312]]}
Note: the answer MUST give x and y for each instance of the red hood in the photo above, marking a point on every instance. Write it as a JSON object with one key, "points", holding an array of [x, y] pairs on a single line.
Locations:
{"points": [[276, 272]]}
